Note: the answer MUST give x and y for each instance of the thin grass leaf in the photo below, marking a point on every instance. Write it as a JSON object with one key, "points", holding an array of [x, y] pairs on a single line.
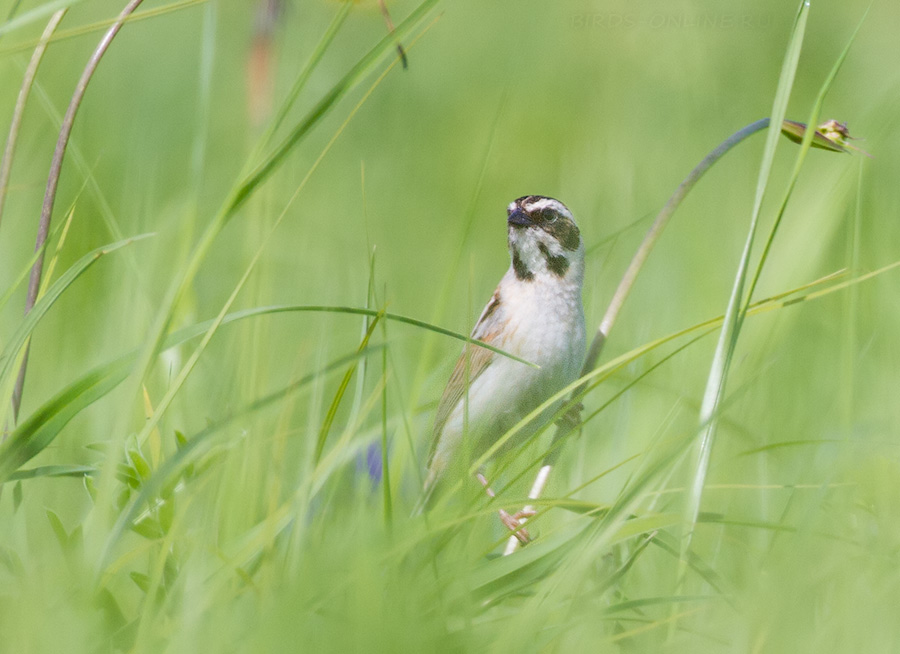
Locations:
{"points": [[451, 276], [76, 156], [805, 144], [188, 367], [311, 64], [41, 427], [176, 385], [341, 390], [244, 189], [39, 430], [262, 172], [201, 442], [385, 472], [35, 433], [779, 301], [638, 525], [671, 545], [715, 386], [51, 266], [600, 534], [13, 9], [617, 576], [22, 275], [655, 624], [17, 496], [346, 449], [204, 98], [154, 441], [356, 311], [557, 443], [598, 375], [19, 110], [583, 385], [56, 164], [783, 444], [34, 15], [656, 601], [53, 471], [385, 460], [90, 28], [510, 574], [364, 327], [753, 524], [851, 315], [12, 353], [58, 528]]}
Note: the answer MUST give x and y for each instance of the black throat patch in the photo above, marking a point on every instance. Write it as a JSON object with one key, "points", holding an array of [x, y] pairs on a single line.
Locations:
{"points": [[558, 265], [521, 270]]}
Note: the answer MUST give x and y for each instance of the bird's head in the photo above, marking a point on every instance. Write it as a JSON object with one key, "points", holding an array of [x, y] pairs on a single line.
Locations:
{"points": [[544, 239]]}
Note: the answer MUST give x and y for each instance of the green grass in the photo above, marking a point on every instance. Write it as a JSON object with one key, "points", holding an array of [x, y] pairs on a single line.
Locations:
{"points": [[191, 466]]}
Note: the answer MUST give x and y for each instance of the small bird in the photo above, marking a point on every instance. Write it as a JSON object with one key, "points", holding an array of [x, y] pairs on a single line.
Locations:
{"points": [[536, 314]]}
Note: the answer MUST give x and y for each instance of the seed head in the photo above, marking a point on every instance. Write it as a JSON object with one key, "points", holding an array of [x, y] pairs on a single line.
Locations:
{"points": [[830, 135]]}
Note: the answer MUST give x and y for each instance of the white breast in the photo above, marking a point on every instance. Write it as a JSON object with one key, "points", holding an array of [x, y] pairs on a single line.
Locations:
{"points": [[545, 325], [540, 320]]}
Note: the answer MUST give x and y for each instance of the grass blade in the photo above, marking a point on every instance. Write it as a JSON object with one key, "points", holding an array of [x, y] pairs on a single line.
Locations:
{"points": [[305, 74], [262, 172], [715, 386], [22, 275], [19, 111], [12, 353], [35, 14], [195, 446], [342, 389], [39, 430], [35, 433], [53, 471], [244, 189], [41, 427], [805, 144], [59, 153]]}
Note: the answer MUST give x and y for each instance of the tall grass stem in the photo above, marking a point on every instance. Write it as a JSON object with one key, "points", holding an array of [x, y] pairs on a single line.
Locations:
{"points": [[59, 154]]}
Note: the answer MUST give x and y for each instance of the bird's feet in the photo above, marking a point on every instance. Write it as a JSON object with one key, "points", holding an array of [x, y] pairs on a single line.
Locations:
{"points": [[515, 524]]}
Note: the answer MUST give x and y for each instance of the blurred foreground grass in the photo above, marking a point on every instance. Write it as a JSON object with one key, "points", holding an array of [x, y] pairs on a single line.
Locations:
{"points": [[219, 530]]}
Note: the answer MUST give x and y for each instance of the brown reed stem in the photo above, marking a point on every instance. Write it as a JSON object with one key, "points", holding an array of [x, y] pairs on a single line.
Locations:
{"points": [[59, 154]]}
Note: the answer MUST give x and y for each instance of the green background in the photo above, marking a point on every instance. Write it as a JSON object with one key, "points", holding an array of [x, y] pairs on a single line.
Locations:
{"points": [[604, 105]]}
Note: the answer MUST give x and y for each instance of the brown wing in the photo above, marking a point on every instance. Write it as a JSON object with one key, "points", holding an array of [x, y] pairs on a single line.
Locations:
{"points": [[472, 362]]}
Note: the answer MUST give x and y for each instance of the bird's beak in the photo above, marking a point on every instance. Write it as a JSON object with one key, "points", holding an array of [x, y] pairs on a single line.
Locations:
{"points": [[520, 218]]}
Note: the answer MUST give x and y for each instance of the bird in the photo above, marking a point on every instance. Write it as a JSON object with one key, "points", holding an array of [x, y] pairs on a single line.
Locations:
{"points": [[536, 314]]}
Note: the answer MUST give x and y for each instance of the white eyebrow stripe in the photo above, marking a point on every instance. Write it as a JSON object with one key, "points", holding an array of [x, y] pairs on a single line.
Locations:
{"points": [[511, 207], [546, 203]]}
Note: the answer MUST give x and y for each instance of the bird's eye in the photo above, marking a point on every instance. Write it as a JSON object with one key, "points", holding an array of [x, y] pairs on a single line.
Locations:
{"points": [[549, 215]]}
